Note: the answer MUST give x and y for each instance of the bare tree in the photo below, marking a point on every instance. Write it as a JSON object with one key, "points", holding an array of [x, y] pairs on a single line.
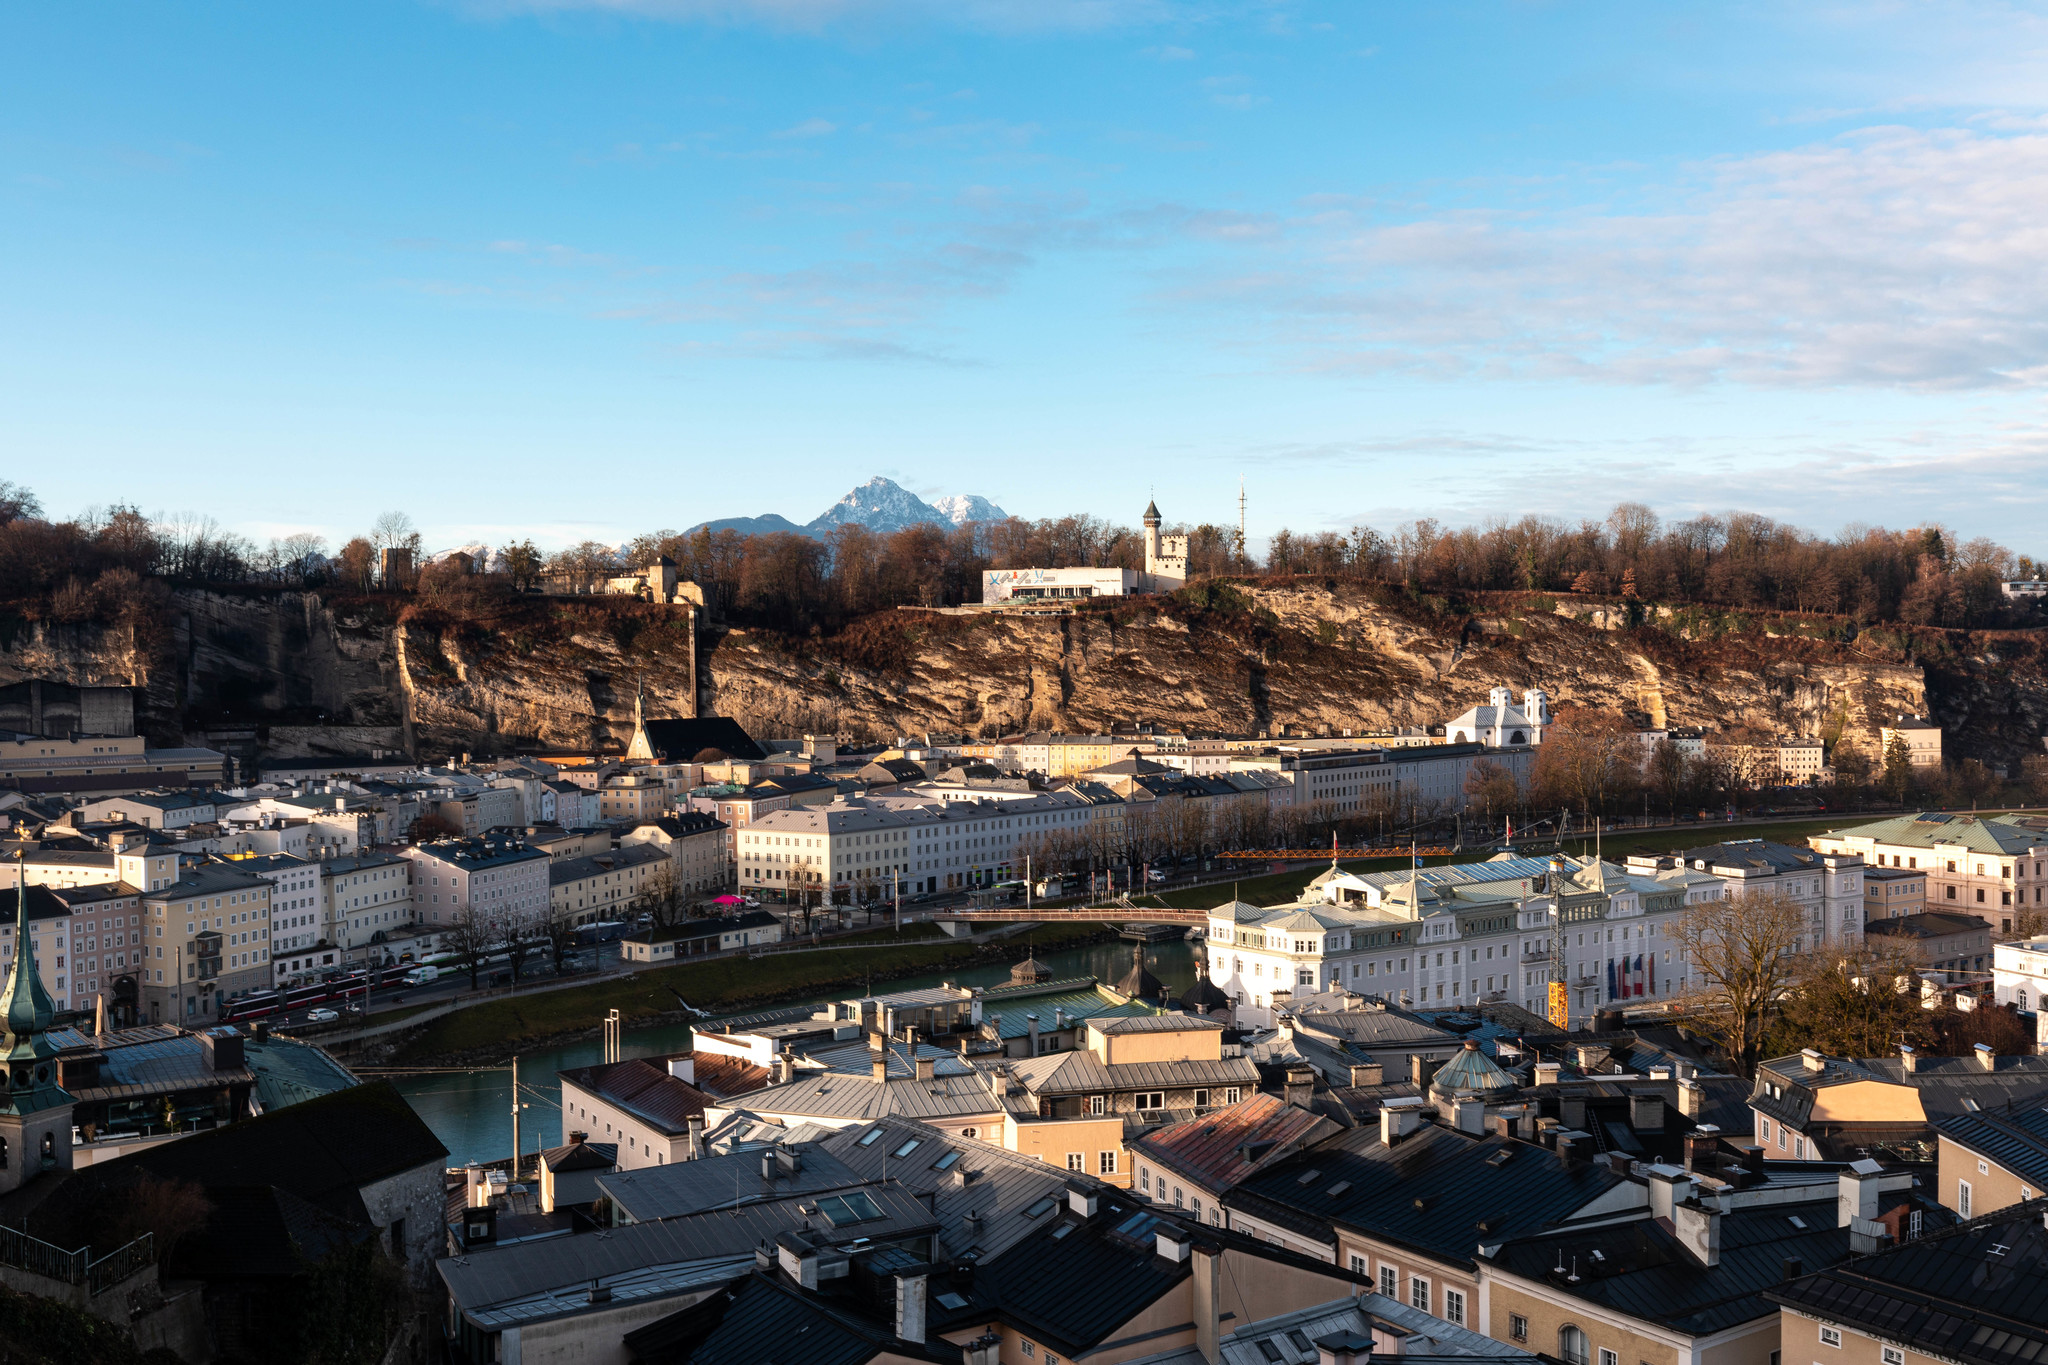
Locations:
{"points": [[469, 938], [395, 531], [662, 899], [1738, 957]]}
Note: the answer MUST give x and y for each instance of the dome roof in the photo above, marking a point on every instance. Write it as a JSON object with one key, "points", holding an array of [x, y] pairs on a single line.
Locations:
{"points": [[1138, 983], [1030, 972], [1473, 1074], [1205, 995]]}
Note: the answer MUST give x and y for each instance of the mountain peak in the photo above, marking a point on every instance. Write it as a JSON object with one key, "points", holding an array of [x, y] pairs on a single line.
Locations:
{"points": [[880, 505]]}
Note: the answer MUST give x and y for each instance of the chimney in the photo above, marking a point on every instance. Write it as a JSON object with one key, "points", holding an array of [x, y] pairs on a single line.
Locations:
{"points": [[1031, 1023], [480, 1225], [1813, 1059], [1592, 1058], [910, 1304], [476, 1190], [878, 1058], [1646, 1111], [1909, 1057], [1081, 1200], [1469, 1116], [1399, 1118], [984, 1350], [1368, 1073], [1567, 1147], [785, 1067], [694, 1126], [1699, 1231], [1421, 1070], [1571, 1111], [1301, 1086], [798, 1258], [1856, 1192], [1344, 1348], [925, 1067], [768, 1165], [1987, 1056], [577, 1139], [684, 1068], [1208, 1289], [1546, 1072], [1669, 1187], [1702, 1149], [1171, 1243], [1692, 1098]]}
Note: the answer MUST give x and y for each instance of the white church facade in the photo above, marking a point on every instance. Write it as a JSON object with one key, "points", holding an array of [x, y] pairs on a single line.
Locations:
{"points": [[1166, 570], [1500, 724]]}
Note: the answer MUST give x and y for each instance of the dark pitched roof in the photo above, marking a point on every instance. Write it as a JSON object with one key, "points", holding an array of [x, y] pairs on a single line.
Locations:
{"points": [[2017, 1141], [260, 1232], [1932, 924], [1074, 1281], [680, 741], [645, 1091], [763, 1318], [1971, 1294], [1431, 1191], [323, 1150], [1643, 1271]]}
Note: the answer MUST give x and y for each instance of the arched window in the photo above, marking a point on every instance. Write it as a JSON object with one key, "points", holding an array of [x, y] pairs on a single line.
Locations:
{"points": [[1459, 738], [1571, 1344], [1517, 738], [2020, 998]]}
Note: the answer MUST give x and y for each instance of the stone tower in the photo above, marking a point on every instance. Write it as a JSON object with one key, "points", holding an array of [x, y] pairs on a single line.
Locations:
{"points": [[35, 1117]]}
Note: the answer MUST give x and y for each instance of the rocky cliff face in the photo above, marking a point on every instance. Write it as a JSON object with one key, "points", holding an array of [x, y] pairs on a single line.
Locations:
{"points": [[312, 672]]}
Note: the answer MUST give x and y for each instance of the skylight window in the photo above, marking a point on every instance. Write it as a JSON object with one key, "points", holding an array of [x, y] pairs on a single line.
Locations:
{"points": [[868, 1138], [1041, 1208], [1061, 1231], [907, 1148], [1270, 1349], [1338, 1188], [951, 1301], [1308, 1177], [1795, 1220], [842, 1209], [945, 1163]]}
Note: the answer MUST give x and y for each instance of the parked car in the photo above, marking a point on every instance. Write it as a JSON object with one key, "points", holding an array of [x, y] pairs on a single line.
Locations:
{"points": [[1155, 875], [321, 1016]]}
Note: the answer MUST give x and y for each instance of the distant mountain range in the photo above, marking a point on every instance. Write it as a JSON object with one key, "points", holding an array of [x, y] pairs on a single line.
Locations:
{"points": [[879, 504]]}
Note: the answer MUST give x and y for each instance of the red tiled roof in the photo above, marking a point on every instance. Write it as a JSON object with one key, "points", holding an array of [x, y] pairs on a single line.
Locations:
{"points": [[1210, 1149]]}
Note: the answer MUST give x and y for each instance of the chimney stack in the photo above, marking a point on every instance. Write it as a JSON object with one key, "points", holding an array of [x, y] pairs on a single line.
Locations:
{"points": [[1208, 1287], [1699, 1230], [1813, 1059], [1031, 1023], [1646, 1111], [1987, 1056], [1692, 1098], [684, 1068], [1399, 1118], [1547, 1072], [910, 1304], [1856, 1193], [1301, 1086], [1421, 1070], [1702, 1149], [1344, 1348], [926, 1066], [694, 1127], [1372, 1073], [1669, 1187], [1469, 1116], [1081, 1200], [1909, 1058], [878, 1057]]}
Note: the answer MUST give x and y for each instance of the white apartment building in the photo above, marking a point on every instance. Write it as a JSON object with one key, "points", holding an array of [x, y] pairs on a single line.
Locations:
{"points": [[365, 898], [502, 880], [863, 847], [1828, 886], [2019, 974], [296, 902], [1459, 941]]}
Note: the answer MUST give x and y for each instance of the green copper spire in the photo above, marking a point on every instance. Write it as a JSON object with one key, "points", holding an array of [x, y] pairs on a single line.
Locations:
{"points": [[29, 1008]]}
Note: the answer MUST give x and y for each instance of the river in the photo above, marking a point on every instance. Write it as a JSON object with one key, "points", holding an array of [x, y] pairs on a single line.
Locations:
{"points": [[472, 1113]]}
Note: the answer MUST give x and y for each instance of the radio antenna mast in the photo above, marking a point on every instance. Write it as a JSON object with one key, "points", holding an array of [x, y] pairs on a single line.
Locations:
{"points": [[1240, 522]]}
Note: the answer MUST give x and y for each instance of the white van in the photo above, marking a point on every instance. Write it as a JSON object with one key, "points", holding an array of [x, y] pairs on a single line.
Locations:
{"points": [[422, 976]]}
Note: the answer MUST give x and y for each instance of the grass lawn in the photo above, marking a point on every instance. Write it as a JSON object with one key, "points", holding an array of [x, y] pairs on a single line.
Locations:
{"points": [[719, 985]]}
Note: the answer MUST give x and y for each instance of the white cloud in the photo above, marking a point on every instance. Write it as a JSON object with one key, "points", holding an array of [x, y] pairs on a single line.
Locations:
{"points": [[1894, 257], [810, 127]]}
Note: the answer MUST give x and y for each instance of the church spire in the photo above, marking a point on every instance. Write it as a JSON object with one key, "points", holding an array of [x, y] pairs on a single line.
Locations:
{"points": [[29, 1009]]}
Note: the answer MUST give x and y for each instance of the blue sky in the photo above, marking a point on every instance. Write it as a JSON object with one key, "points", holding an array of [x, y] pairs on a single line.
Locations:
{"points": [[569, 269]]}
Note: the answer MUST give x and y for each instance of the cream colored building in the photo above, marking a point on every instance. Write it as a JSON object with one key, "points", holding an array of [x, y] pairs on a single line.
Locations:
{"points": [[1921, 736]]}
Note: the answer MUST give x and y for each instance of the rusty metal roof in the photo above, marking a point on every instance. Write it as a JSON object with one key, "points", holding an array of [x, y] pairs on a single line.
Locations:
{"points": [[1218, 1150]]}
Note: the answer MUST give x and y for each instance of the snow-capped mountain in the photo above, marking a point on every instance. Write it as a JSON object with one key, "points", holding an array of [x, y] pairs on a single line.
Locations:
{"points": [[880, 505], [483, 555], [961, 508]]}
